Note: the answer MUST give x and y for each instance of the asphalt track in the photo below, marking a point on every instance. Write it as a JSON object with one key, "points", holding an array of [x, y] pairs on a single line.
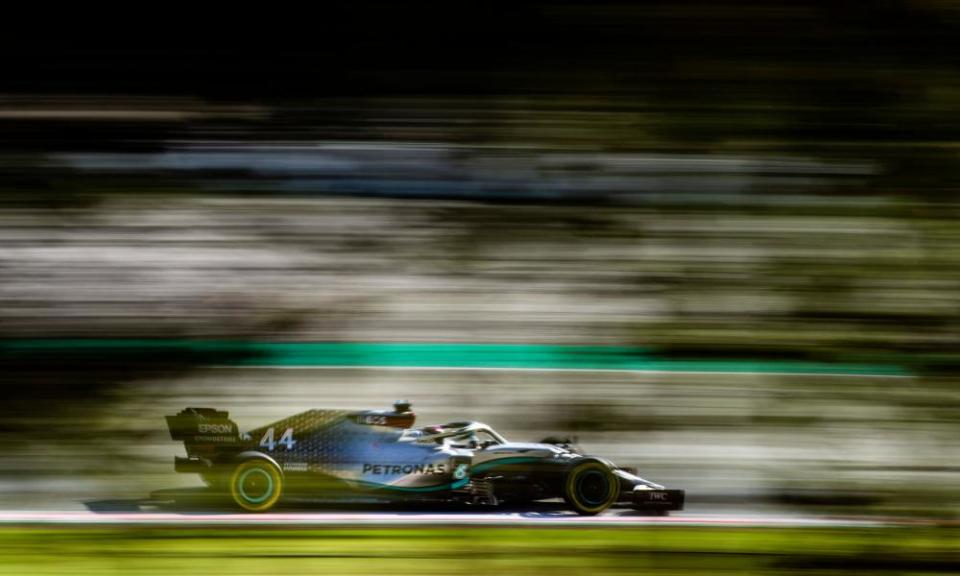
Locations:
{"points": [[192, 512], [312, 519], [148, 512], [195, 507]]}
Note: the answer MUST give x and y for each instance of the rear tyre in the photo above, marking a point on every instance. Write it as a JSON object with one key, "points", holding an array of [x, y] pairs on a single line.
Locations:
{"points": [[256, 485], [591, 487]]}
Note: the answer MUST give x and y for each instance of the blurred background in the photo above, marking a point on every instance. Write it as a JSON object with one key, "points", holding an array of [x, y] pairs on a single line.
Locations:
{"points": [[716, 241]]}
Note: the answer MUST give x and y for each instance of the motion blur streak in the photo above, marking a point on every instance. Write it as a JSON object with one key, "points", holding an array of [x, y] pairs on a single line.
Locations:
{"points": [[718, 241], [667, 551]]}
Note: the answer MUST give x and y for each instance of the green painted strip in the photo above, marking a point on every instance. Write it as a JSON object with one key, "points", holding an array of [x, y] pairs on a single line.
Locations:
{"points": [[440, 355], [443, 355], [489, 464]]}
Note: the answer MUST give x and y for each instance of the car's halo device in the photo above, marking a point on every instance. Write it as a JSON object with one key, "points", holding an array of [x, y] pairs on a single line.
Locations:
{"points": [[378, 455]]}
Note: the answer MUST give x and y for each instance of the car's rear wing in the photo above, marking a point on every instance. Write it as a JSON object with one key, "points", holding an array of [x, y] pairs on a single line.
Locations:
{"points": [[203, 426]]}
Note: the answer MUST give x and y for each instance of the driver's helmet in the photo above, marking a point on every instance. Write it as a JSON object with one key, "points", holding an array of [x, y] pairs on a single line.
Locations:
{"points": [[470, 440]]}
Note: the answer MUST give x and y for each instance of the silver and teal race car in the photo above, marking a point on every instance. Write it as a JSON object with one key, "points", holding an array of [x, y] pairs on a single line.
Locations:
{"points": [[379, 455]]}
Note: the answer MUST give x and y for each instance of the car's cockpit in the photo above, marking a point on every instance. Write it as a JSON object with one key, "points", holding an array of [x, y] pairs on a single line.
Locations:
{"points": [[465, 435]]}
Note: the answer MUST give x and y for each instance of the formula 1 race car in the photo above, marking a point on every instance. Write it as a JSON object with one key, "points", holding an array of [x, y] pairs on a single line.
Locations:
{"points": [[378, 454]]}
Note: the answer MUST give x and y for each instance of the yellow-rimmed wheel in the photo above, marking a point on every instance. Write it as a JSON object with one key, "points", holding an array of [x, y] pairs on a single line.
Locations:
{"points": [[256, 485], [591, 487]]}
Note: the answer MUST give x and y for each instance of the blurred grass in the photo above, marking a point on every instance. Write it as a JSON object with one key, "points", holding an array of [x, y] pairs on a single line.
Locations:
{"points": [[662, 550]]}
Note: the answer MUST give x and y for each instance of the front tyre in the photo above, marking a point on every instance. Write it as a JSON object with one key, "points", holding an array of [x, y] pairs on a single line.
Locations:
{"points": [[591, 487], [256, 485]]}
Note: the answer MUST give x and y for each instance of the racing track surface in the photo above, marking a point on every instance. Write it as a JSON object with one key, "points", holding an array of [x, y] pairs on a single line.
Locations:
{"points": [[190, 508], [32, 502], [313, 519]]}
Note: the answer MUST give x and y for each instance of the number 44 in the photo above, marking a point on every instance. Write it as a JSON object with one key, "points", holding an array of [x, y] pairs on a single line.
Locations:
{"points": [[286, 439]]}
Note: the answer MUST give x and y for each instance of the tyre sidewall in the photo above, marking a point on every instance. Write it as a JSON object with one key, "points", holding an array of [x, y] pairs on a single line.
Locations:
{"points": [[572, 484], [268, 472]]}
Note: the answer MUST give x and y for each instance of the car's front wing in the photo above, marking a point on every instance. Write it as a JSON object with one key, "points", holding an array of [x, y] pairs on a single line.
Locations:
{"points": [[643, 498]]}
